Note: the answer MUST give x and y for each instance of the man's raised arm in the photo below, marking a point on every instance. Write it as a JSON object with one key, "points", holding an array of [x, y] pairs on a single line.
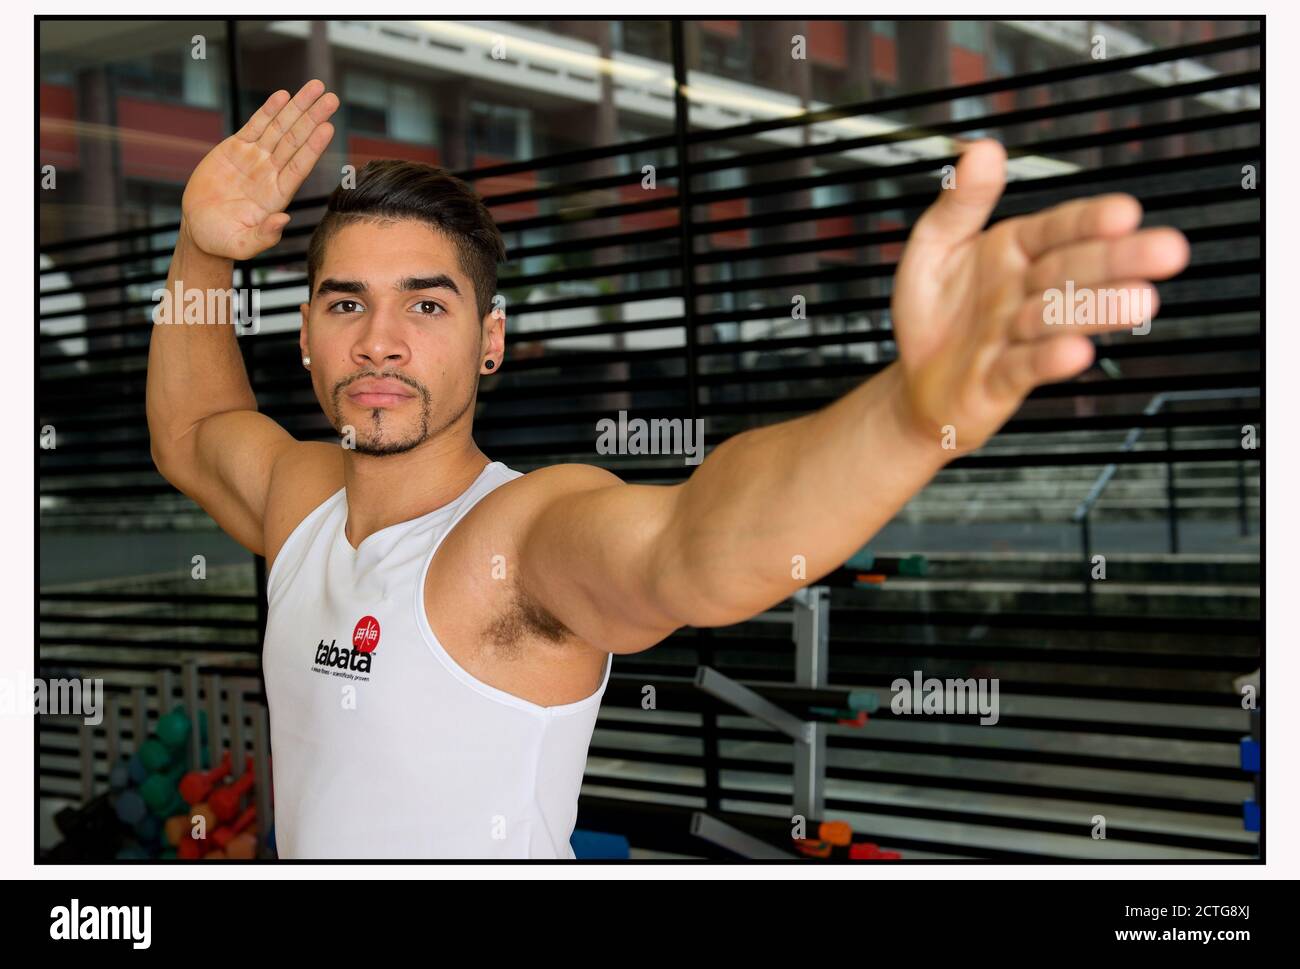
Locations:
{"points": [[205, 434], [774, 508]]}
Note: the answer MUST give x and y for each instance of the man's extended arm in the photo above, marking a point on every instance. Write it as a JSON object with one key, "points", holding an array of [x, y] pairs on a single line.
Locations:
{"points": [[205, 433], [623, 565]]}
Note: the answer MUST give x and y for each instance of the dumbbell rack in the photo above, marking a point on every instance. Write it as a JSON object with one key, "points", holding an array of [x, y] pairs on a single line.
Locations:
{"points": [[197, 691], [810, 628]]}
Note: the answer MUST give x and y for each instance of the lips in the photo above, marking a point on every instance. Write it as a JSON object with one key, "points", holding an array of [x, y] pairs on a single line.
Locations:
{"points": [[379, 393]]}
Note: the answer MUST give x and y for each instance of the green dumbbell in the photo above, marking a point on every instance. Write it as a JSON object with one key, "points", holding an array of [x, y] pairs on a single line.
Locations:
{"points": [[155, 755], [916, 565], [159, 790], [863, 700], [174, 729]]}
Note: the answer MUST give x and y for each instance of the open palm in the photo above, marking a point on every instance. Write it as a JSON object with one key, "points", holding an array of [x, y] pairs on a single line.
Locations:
{"points": [[968, 304], [234, 203]]}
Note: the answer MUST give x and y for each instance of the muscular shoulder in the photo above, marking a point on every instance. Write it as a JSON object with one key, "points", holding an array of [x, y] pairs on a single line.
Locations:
{"points": [[305, 474], [567, 478], [488, 542]]}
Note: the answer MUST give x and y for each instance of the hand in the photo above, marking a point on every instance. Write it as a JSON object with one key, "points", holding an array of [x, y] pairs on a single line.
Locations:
{"points": [[968, 305], [234, 203]]}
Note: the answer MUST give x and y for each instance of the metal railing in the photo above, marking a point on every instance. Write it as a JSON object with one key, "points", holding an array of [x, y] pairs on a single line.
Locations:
{"points": [[1082, 514]]}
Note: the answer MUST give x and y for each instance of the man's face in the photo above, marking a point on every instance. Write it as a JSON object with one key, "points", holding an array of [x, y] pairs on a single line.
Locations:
{"points": [[394, 335]]}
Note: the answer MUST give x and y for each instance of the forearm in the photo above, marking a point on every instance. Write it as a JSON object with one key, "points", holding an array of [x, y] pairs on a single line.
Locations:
{"points": [[774, 508], [195, 370]]}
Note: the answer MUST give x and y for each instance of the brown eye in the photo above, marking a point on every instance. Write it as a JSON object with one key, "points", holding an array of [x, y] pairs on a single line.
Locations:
{"points": [[428, 307]]}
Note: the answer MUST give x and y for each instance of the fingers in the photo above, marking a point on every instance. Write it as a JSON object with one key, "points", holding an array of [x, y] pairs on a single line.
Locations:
{"points": [[269, 231], [1130, 304], [288, 115], [304, 159], [1026, 365], [1149, 254], [962, 211], [297, 136], [1103, 216], [256, 125]]}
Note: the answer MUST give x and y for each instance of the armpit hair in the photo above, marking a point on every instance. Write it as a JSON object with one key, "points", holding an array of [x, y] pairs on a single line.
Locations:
{"points": [[525, 617]]}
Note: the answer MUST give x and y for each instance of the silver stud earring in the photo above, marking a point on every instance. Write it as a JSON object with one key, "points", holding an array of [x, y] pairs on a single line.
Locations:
{"points": [[306, 361]]}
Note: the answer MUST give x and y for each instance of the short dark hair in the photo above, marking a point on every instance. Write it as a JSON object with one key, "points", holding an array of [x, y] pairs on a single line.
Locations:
{"points": [[393, 189]]}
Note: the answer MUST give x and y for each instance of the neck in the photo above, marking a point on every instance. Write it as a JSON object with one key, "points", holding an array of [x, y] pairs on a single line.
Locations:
{"points": [[383, 491]]}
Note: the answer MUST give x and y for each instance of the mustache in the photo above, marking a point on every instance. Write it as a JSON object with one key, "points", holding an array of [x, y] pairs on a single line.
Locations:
{"points": [[378, 375]]}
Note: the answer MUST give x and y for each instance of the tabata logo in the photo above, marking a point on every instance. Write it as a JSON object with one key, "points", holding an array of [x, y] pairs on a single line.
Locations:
{"points": [[365, 635], [365, 640]]}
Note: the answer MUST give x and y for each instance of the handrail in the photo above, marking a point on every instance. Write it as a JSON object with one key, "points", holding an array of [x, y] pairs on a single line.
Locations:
{"points": [[1155, 405]]}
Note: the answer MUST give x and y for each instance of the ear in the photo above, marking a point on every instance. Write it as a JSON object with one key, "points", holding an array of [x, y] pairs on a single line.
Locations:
{"points": [[494, 333], [302, 331]]}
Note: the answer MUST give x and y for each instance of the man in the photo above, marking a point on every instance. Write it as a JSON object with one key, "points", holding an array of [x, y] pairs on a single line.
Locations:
{"points": [[441, 627]]}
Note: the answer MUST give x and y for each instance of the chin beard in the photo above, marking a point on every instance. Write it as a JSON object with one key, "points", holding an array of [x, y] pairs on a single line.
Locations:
{"points": [[378, 444]]}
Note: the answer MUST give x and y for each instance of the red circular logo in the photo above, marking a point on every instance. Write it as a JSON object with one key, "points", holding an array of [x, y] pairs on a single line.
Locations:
{"points": [[365, 638]]}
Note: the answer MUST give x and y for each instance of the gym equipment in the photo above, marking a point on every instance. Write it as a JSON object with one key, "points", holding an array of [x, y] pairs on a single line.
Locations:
{"points": [[868, 851], [131, 807], [243, 846], [225, 800], [173, 730], [159, 791], [148, 829], [227, 833], [175, 828], [1251, 811], [155, 755], [197, 785], [592, 845]]}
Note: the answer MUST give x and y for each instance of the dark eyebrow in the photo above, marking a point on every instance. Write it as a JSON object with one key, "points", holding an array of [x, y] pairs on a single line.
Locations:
{"points": [[349, 286], [411, 283], [440, 281]]}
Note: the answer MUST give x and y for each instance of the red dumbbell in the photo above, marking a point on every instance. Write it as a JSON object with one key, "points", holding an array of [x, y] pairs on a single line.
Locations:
{"points": [[225, 800], [868, 851], [226, 834], [197, 784]]}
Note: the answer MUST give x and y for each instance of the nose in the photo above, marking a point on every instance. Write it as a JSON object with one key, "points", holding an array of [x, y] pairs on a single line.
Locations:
{"points": [[380, 344]]}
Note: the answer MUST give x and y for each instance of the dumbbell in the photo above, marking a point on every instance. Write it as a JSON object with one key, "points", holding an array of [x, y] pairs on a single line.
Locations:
{"points": [[155, 755], [243, 847], [120, 776], [189, 847], [225, 800], [173, 730], [868, 851], [177, 828], [159, 791], [136, 772], [148, 830], [830, 835], [130, 807], [197, 784], [224, 835]]}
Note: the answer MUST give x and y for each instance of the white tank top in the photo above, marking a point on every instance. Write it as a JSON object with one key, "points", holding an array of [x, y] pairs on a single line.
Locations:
{"points": [[382, 745]]}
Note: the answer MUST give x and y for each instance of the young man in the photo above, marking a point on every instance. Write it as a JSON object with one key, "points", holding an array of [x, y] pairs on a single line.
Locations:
{"points": [[441, 627]]}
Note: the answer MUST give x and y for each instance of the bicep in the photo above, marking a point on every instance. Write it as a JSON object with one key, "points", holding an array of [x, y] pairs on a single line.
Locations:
{"points": [[594, 555], [225, 463]]}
